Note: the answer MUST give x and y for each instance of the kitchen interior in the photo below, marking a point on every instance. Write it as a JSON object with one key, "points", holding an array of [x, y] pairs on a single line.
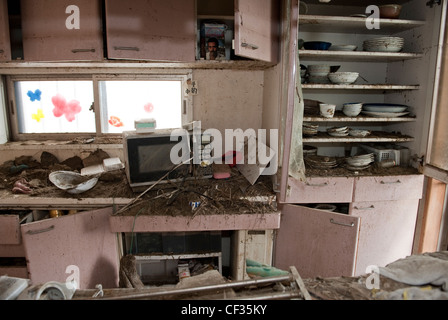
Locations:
{"points": [[350, 189]]}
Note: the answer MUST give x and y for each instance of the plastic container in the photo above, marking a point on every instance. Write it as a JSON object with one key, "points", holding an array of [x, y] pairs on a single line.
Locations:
{"points": [[383, 153]]}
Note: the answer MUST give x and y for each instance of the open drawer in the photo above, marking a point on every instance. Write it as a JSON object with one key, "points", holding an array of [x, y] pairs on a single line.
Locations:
{"points": [[10, 221]]}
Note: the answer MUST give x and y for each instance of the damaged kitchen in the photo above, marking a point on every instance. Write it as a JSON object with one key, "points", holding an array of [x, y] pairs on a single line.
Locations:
{"points": [[237, 149]]}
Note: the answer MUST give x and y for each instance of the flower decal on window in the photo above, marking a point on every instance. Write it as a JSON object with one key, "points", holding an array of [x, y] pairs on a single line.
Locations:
{"points": [[38, 116], [115, 121], [62, 107], [34, 96]]}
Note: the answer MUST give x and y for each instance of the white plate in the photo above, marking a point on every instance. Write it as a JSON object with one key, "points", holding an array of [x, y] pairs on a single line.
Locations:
{"points": [[380, 108], [384, 114], [343, 47]]}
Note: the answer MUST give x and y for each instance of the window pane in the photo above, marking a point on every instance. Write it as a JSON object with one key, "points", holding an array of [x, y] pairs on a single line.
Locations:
{"points": [[123, 102], [55, 106]]}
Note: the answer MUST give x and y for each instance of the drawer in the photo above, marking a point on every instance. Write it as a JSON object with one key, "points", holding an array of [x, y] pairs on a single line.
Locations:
{"points": [[10, 225], [388, 188], [320, 189], [12, 250]]}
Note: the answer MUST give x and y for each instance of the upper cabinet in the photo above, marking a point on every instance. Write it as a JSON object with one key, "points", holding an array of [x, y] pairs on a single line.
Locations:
{"points": [[5, 46], [151, 30], [62, 30], [257, 29]]}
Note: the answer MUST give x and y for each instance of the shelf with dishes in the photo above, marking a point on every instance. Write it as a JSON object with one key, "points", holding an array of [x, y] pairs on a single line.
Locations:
{"points": [[352, 56], [341, 24], [359, 135]]}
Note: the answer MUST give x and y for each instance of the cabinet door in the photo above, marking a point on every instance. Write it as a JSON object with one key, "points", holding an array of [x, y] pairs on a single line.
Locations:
{"points": [[318, 243], [5, 44], [151, 30], [55, 30], [386, 232], [57, 248], [257, 29]]}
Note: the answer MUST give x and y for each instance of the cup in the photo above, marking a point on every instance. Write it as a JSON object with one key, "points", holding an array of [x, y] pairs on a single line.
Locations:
{"points": [[327, 110]]}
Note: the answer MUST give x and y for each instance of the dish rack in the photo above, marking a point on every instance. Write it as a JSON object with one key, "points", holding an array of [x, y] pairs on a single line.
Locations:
{"points": [[383, 153]]}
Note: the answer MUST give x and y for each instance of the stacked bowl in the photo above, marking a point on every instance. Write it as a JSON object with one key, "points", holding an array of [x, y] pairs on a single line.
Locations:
{"points": [[318, 73], [352, 109], [384, 44]]}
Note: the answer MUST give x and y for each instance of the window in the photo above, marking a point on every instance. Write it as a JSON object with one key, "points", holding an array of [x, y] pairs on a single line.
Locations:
{"points": [[64, 108]]}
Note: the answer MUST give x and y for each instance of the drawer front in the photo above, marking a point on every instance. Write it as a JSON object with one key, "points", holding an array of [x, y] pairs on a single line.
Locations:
{"points": [[318, 190], [9, 229], [388, 188]]}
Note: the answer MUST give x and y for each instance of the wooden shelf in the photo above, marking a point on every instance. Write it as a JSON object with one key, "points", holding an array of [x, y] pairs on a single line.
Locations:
{"points": [[337, 24], [359, 86], [339, 117], [353, 56], [323, 137], [124, 66]]}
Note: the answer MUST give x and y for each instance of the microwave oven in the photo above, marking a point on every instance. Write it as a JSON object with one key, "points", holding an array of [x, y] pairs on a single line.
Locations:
{"points": [[148, 158]]}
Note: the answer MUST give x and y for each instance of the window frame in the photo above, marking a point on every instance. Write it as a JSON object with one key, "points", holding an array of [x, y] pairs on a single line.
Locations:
{"points": [[182, 75]]}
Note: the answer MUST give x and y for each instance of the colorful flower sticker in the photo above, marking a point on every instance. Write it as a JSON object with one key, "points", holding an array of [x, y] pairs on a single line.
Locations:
{"points": [[149, 107], [38, 116], [62, 107], [115, 121], [34, 95]]}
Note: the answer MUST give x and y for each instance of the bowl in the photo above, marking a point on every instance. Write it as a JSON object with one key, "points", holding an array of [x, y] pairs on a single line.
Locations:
{"points": [[327, 110], [352, 109], [390, 11], [72, 182], [343, 77], [316, 45]]}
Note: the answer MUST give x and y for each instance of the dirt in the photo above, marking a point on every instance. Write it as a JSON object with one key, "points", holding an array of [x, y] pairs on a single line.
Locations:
{"points": [[191, 197], [175, 198]]}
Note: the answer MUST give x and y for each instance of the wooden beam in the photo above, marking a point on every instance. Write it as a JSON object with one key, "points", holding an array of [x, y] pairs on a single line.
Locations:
{"points": [[432, 216]]}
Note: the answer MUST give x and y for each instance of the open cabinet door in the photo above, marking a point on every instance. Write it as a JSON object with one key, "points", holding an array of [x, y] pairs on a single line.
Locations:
{"points": [[257, 29], [433, 233], [318, 243], [81, 244]]}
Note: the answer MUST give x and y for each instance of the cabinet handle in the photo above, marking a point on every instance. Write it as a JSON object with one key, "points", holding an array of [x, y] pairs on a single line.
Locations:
{"points": [[317, 184], [392, 182], [249, 45], [82, 50], [342, 224], [40, 231], [127, 48], [365, 208]]}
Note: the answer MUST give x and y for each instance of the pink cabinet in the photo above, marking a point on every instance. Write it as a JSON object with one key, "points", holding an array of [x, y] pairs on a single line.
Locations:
{"points": [[151, 30], [386, 231], [316, 242], [257, 29], [56, 30], [78, 246], [5, 44], [377, 229]]}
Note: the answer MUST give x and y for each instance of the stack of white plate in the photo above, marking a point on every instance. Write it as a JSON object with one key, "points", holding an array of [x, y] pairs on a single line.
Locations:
{"points": [[384, 44], [359, 133], [309, 129], [338, 131], [386, 110], [359, 162]]}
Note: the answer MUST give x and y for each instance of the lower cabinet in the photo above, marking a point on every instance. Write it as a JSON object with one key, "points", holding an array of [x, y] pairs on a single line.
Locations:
{"points": [[374, 229], [77, 247]]}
